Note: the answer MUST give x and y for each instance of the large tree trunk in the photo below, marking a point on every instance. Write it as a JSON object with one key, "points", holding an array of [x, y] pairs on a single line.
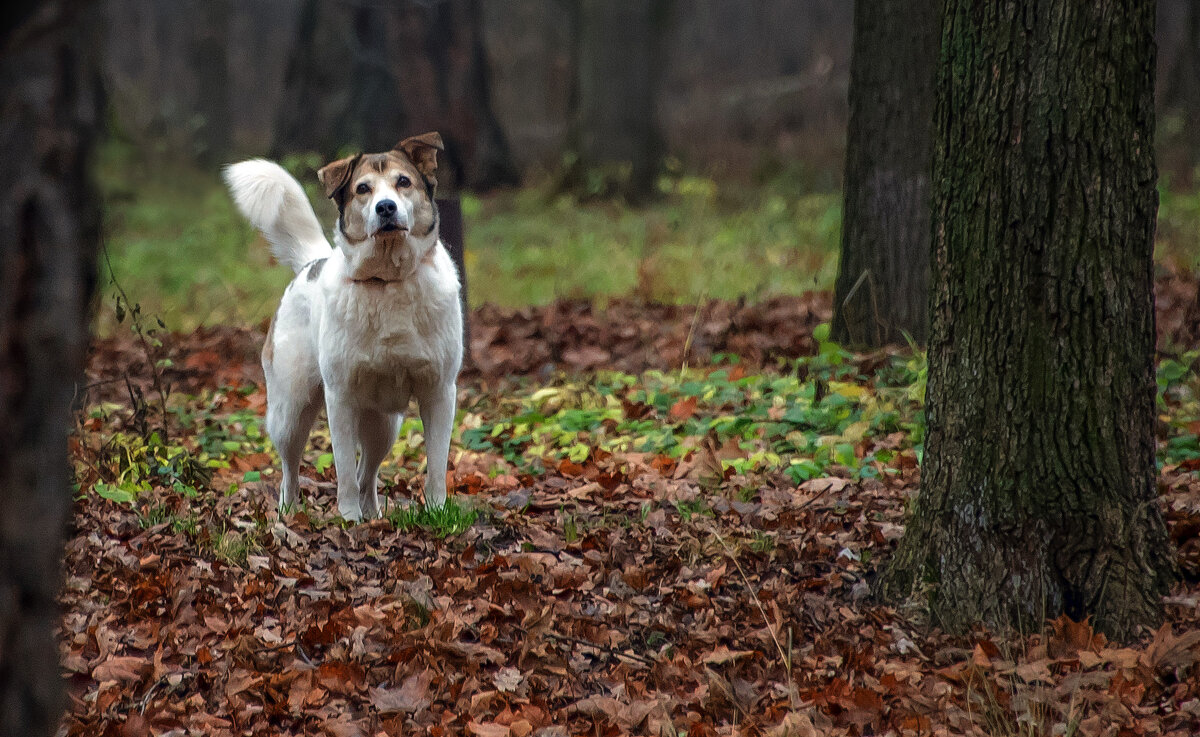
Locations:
{"points": [[883, 275], [1038, 493], [365, 74], [614, 131], [48, 237]]}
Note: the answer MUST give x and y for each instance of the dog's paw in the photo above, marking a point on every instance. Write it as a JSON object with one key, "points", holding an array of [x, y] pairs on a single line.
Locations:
{"points": [[350, 513], [370, 510]]}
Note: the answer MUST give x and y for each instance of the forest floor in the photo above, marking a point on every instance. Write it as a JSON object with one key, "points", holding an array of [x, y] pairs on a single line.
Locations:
{"points": [[666, 521]]}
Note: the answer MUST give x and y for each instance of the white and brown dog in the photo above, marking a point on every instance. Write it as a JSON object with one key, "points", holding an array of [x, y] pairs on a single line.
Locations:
{"points": [[366, 324]]}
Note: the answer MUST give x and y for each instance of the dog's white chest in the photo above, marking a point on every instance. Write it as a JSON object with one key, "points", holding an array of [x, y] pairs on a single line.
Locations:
{"points": [[383, 346]]}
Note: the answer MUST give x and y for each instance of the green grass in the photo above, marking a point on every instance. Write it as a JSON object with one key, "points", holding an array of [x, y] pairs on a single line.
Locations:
{"points": [[1178, 235], [698, 241], [180, 249], [447, 520]]}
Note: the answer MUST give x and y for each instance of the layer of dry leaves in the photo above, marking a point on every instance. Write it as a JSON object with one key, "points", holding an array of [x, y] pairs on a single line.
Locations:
{"points": [[584, 602]]}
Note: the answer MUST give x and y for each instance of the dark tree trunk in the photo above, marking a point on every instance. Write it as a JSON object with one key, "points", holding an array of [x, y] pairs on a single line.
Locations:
{"points": [[48, 237], [614, 131], [208, 54], [883, 275], [1038, 492], [365, 74], [1183, 93]]}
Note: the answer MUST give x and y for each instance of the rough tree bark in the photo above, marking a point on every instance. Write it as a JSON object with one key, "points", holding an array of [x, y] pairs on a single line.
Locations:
{"points": [[883, 274], [48, 236], [1038, 492], [614, 133]]}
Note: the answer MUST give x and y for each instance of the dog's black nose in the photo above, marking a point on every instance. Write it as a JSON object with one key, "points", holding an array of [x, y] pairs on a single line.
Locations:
{"points": [[385, 208]]}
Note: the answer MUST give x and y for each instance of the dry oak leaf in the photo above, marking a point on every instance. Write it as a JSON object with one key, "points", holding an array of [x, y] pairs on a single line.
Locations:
{"points": [[683, 409], [627, 716], [507, 680], [343, 729], [722, 655], [341, 677], [586, 357], [1168, 652], [794, 724], [410, 696], [491, 729], [124, 668]]}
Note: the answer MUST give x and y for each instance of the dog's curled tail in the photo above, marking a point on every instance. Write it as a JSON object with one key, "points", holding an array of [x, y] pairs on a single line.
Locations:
{"points": [[275, 203]]}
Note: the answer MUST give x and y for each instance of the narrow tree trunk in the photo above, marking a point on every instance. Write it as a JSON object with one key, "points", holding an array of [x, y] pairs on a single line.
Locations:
{"points": [[48, 237], [364, 74], [614, 132], [1181, 96], [209, 46], [883, 275], [1038, 493]]}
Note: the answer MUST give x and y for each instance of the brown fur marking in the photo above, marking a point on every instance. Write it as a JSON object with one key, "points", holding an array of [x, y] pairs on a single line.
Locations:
{"points": [[269, 344]]}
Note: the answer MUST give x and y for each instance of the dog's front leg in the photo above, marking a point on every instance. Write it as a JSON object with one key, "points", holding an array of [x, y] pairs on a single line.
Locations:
{"points": [[343, 432], [437, 415], [376, 435]]}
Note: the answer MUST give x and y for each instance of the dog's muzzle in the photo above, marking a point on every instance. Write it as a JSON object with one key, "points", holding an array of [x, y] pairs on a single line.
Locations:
{"points": [[388, 214]]}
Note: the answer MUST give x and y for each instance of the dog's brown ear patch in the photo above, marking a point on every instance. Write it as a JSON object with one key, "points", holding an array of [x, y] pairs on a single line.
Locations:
{"points": [[336, 175], [422, 150]]}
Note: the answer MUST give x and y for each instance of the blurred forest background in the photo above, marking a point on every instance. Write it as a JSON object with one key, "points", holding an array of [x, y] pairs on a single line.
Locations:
{"points": [[731, 118]]}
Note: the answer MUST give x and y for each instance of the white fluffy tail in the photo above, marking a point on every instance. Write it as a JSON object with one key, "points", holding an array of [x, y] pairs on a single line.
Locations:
{"points": [[275, 203]]}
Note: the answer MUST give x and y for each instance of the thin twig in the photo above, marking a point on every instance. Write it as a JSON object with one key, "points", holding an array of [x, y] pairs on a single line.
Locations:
{"points": [[786, 657], [145, 700], [687, 342], [815, 497], [141, 334], [587, 643]]}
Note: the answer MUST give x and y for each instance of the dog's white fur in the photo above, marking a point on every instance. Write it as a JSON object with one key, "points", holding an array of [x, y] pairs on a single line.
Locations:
{"points": [[377, 321]]}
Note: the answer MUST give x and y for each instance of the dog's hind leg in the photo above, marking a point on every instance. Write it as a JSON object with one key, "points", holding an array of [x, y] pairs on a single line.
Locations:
{"points": [[376, 434], [437, 415], [289, 420]]}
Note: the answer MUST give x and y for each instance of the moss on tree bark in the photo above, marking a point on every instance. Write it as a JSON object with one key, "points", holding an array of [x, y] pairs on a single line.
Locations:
{"points": [[1038, 493]]}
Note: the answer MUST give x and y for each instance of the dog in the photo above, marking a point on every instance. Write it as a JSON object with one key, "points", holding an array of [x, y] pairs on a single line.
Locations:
{"points": [[366, 324]]}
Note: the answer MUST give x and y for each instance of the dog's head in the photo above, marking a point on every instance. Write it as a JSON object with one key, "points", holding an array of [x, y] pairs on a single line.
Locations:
{"points": [[385, 201]]}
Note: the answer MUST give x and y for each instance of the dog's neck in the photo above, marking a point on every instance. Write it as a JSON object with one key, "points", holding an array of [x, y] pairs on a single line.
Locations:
{"points": [[386, 259]]}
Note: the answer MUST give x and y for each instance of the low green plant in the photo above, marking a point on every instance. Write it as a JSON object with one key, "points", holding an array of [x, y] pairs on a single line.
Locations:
{"points": [[230, 546], [448, 520], [131, 464], [762, 423]]}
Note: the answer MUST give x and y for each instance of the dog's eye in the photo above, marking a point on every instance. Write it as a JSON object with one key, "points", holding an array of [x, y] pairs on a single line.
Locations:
{"points": [[403, 182], [363, 188]]}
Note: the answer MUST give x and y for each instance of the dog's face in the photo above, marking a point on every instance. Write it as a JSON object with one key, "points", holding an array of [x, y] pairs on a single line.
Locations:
{"points": [[385, 200]]}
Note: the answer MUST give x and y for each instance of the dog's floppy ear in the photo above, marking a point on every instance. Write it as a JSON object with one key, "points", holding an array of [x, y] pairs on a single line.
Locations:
{"points": [[422, 150], [336, 175]]}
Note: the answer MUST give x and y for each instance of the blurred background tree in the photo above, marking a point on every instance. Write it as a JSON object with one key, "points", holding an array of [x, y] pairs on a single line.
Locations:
{"points": [[49, 231], [742, 88], [614, 143], [726, 123], [881, 294]]}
